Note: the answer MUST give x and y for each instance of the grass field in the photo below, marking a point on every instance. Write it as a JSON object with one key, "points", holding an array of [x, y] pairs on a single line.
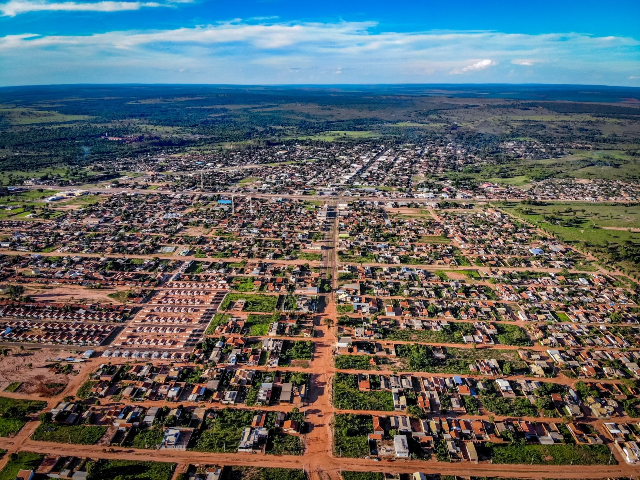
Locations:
{"points": [[13, 386], [601, 214], [262, 473], [29, 116], [21, 461], [552, 454], [336, 135], [57, 433], [129, 470], [254, 303], [518, 181], [436, 239], [14, 413], [569, 224], [248, 180]]}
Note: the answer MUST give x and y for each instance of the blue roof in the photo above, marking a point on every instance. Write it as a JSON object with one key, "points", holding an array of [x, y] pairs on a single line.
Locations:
{"points": [[224, 201]]}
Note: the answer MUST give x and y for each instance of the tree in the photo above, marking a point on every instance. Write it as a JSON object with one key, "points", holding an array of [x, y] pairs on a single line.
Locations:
{"points": [[45, 417], [15, 291], [416, 412]]}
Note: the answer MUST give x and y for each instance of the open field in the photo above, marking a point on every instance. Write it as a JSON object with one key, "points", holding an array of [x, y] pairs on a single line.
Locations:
{"points": [[29, 367]]}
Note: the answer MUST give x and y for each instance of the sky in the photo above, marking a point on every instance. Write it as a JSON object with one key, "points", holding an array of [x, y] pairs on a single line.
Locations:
{"points": [[329, 42]]}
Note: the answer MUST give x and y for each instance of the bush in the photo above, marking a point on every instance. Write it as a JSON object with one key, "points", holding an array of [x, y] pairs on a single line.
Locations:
{"points": [[362, 476], [85, 389], [147, 438], [223, 433], [552, 454], [351, 435], [254, 303], [14, 413], [79, 434], [20, 461], [513, 335], [129, 470], [354, 362], [279, 444], [347, 396]]}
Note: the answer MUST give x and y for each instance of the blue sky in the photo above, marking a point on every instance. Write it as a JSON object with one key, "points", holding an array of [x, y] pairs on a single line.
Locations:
{"points": [[329, 42]]}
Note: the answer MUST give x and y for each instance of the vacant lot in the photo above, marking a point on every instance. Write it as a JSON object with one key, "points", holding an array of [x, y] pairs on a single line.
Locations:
{"points": [[21, 461], [129, 470], [14, 414], [29, 368], [80, 434], [254, 303]]}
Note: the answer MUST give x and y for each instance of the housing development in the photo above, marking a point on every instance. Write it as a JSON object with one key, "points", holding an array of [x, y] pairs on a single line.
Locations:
{"points": [[320, 310]]}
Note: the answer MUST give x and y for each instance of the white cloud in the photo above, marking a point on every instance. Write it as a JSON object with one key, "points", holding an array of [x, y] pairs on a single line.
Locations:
{"points": [[634, 77], [248, 52], [525, 62], [481, 65], [16, 7]]}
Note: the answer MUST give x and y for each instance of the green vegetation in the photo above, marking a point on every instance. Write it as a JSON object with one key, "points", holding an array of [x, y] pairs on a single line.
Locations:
{"points": [[512, 335], [351, 435], [223, 433], [310, 257], [20, 461], [362, 476], [520, 406], [14, 414], [262, 473], [344, 308], [129, 470], [217, 320], [302, 350], [347, 396], [259, 324], [552, 454], [57, 433], [588, 230], [419, 358], [280, 444], [254, 303], [85, 389], [335, 135], [354, 362], [451, 333], [12, 387], [435, 239], [244, 284], [147, 437], [122, 296]]}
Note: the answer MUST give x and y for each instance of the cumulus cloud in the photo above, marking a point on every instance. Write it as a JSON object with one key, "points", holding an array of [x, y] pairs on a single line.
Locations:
{"points": [[240, 51], [16, 7], [525, 62], [481, 65]]}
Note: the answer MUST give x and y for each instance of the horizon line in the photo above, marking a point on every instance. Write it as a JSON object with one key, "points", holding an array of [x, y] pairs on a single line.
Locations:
{"points": [[319, 85]]}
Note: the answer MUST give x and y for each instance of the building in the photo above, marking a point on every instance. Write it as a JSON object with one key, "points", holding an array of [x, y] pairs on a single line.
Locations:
{"points": [[401, 446], [25, 475]]}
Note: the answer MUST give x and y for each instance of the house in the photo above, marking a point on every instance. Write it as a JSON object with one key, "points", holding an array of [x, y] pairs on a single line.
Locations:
{"points": [[286, 394], [25, 475], [401, 446], [264, 394]]}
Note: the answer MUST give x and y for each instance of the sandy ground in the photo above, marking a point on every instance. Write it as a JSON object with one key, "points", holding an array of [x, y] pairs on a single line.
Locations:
{"points": [[14, 367], [70, 293]]}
